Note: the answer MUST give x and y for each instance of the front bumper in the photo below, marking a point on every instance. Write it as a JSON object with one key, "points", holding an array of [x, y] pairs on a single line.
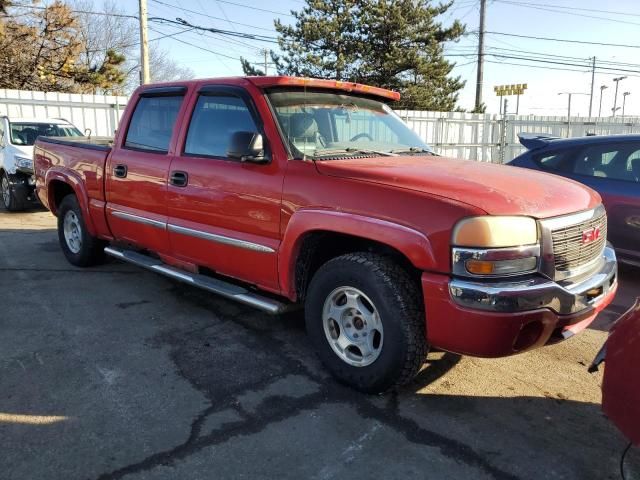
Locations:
{"points": [[493, 319]]}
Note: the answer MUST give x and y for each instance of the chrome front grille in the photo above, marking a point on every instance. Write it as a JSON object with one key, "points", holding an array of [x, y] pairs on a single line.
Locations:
{"points": [[571, 251]]}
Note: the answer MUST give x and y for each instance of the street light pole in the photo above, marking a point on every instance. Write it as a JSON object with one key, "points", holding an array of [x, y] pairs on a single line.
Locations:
{"points": [[570, 94], [615, 97], [602, 88], [624, 101]]}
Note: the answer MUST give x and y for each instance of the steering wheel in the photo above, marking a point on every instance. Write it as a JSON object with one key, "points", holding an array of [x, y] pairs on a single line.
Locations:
{"points": [[361, 135]]}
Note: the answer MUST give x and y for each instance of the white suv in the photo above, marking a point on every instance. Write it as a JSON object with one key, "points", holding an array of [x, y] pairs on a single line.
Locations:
{"points": [[17, 136]]}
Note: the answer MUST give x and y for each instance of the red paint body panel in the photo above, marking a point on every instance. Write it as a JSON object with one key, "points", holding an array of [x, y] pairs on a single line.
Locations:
{"points": [[496, 189], [487, 334], [621, 388], [410, 204]]}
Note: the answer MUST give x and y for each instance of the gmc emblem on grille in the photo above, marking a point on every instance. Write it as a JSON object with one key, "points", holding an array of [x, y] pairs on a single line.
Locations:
{"points": [[591, 235]]}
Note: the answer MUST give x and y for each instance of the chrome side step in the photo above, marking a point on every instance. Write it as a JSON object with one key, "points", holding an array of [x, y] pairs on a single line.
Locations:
{"points": [[225, 289]]}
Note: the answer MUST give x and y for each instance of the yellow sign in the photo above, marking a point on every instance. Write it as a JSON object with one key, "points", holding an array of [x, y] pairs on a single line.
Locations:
{"points": [[506, 90]]}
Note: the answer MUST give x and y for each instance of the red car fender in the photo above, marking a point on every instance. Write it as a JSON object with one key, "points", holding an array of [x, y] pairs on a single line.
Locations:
{"points": [[75, 182], [621, 388], [411, 243]]}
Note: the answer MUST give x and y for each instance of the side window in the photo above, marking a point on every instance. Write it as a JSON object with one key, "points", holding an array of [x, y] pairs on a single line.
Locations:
{"points": [[152, 123], [215, 119], [596, 160], [555, 161], [633, 167]]}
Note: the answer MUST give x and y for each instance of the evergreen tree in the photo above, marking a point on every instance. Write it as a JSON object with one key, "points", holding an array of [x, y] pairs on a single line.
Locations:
{"points": [[249, 69], [396, 44]]}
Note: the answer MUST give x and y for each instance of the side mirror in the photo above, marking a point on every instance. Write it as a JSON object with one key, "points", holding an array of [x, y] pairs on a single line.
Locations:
{"points": [[247, 147], [87, 133]]}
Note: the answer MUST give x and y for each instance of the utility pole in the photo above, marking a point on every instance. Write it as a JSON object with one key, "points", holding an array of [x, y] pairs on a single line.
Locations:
{"points": [[615, 97], [602, 89], [144, 44], [483, 4], [265, 52], [593, 78]]}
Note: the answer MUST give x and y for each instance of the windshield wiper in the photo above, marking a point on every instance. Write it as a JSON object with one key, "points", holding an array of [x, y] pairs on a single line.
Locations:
{"points": [[411, 150], [352, 151]]}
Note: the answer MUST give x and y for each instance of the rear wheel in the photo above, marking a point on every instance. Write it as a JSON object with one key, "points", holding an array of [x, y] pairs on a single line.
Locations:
{"points": [[364, 315], [13, 199], [80, 248]]}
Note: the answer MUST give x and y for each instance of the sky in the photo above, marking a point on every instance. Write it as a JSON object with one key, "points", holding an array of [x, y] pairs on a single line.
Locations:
{"points": [[615, 21]]}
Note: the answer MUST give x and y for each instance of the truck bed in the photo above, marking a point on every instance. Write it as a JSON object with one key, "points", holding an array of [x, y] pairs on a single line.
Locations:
{"points": [[78, 157]]}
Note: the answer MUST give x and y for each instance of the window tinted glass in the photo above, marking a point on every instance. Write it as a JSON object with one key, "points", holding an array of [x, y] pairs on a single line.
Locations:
{"points": [[152, 123], [215, 119], [617, 162], [552, 161]]}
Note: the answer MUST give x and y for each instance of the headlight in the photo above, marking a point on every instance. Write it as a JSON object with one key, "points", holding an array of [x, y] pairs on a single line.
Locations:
{"points": [[23, 162], [495, 232], [495, 246]]}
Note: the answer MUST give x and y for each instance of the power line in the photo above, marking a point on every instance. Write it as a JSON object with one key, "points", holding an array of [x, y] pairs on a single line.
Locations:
{"points": [[198, 46], [85, 12], [536, 7], [610, 12], [249, 36], [159, 2], [565, 40]]}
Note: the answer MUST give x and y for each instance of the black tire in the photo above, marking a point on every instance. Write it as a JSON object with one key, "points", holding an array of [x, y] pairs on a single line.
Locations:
{"points": [[90, 250], [397, 299], [13, 199]]}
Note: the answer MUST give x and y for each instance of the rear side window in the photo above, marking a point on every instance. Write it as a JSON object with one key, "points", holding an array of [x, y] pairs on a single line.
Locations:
{"points": [[215, 119], [555, 161], [152, 123], [616, 162]]}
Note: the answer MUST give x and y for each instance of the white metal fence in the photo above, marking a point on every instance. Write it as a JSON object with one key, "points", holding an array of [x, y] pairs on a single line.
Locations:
{"points": [[483, 137], [100, 113], [492, 138]]}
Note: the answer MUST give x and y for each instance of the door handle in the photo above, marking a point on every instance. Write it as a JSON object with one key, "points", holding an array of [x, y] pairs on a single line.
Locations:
{"points": [[120, 171], [179, 179]]}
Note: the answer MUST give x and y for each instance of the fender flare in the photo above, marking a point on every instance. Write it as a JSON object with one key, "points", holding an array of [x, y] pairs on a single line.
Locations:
{"points": [[76, 184], [411, 243]]}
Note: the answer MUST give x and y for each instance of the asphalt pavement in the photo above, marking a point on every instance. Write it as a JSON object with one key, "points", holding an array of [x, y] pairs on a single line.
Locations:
{"points": [[114, 372]]}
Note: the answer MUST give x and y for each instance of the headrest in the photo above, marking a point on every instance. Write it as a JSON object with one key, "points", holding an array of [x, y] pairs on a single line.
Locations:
{"points": [[635, 168], [303, 125]]}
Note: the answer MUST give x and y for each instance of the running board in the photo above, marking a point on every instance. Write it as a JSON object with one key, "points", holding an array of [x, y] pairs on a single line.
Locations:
{"points": [[220, 287]]}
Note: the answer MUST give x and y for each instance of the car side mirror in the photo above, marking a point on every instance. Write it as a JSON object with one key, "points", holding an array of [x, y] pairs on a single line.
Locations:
{"points": [[247, 147]]}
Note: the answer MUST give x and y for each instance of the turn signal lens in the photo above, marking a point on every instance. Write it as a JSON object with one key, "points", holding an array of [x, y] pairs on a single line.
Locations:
{"points": [[501, 267], [480, 267]]}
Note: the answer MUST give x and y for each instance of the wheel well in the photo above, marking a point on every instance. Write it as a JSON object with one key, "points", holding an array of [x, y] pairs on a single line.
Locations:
{"points": [[321, 246], [59, 190]]}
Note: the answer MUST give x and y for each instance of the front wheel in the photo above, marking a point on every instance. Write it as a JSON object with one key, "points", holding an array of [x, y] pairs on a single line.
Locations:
{"points": [[364, 315], [13, 198], [80, 248]]}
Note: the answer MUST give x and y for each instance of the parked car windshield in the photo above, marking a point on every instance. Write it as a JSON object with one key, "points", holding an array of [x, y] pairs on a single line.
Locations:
{"points": [[26, 133], [329, 125]]}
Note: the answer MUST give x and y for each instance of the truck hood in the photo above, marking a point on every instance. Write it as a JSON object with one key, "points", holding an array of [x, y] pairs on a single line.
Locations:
{"points": [[496, 189]]}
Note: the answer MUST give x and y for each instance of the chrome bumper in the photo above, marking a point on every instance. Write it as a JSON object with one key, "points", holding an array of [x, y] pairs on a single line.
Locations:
{"points": [[534, 292]]}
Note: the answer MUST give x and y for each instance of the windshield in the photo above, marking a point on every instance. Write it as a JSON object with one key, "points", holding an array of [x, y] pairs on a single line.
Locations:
{"points": [[26, 133], [328, 125]]}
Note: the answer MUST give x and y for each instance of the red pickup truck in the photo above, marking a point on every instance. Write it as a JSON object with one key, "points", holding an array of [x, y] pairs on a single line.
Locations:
{"points": [[276, 191]]}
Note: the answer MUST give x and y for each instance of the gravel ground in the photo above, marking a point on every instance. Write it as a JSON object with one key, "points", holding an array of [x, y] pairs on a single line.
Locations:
{"points": [[114, 372]]}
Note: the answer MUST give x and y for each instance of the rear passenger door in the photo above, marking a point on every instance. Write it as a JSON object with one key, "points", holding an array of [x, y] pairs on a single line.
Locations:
{"points": [[137, 170], [224, 214]]}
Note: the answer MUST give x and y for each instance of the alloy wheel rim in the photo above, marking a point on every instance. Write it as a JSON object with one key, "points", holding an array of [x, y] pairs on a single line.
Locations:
{"points": [[352, 326], [72, 231]]}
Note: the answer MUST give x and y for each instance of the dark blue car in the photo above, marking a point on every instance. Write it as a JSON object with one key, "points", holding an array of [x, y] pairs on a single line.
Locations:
{"points": [[608, 164]]}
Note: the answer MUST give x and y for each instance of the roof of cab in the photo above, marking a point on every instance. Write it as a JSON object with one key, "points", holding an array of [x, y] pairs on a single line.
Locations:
{"points": [[533, 141], [283, 81]]}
